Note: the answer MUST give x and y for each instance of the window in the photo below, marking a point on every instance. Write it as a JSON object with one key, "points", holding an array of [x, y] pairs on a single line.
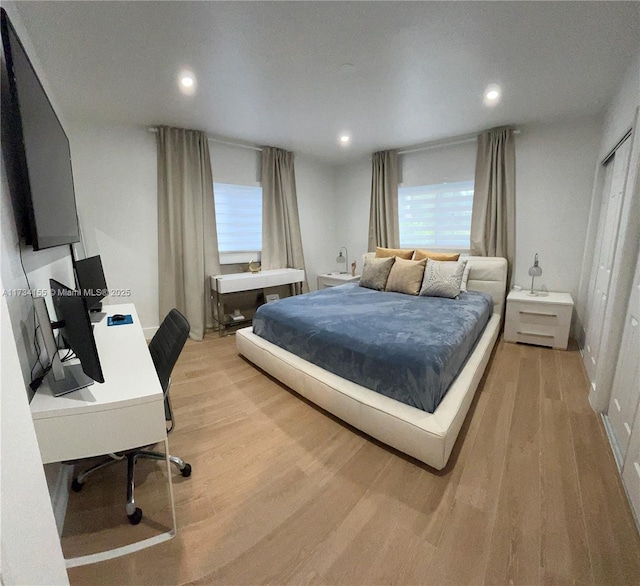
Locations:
{"points": [[239, 222], [436, 216]]}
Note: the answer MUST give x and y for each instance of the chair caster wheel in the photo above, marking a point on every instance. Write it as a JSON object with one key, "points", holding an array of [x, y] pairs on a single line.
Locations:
{"points": [[136, 517], [186, 471], [76, 486]]}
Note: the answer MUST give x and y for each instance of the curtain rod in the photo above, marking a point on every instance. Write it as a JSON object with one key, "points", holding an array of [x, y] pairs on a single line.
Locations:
{"points": [[464, 138], [221, 141]]}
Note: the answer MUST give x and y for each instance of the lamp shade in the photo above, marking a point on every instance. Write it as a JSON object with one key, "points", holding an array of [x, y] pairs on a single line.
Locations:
{"points": [[343, 258], [536, 269]]}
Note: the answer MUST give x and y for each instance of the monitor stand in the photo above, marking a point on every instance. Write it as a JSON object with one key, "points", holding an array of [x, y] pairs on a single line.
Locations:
{"points": [[62, 378], [97, 317], [74, 379]]}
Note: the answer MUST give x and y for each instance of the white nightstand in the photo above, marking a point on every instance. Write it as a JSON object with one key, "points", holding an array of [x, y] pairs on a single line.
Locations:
{"points": [[544, 319], [333, 279]]}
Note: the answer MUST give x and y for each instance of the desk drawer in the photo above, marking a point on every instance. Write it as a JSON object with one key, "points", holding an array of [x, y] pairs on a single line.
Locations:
{"points": [[83, 435]]}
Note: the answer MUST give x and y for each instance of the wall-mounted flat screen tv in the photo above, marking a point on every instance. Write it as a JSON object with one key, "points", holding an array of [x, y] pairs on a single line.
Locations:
{"points": [[40, 148]]}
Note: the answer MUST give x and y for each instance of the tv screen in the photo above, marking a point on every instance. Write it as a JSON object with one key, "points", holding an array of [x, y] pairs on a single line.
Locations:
{"points": [[42, 149], [91, 281], [76, 329]]}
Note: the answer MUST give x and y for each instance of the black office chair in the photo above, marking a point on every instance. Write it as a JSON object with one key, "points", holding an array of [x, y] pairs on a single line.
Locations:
{"points": [[165, 348]]}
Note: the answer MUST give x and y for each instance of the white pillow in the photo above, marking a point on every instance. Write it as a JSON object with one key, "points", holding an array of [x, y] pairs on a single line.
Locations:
{"points": [[442, 278]]}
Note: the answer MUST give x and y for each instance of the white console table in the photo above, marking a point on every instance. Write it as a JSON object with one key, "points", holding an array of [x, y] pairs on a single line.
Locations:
{"points": [[223, 285]]}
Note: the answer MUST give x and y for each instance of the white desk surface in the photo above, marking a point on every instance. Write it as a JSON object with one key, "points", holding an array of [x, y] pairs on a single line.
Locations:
{"points": [[129, 374]]}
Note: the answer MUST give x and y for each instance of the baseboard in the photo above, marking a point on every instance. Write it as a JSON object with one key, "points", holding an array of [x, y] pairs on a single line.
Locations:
{"points": [[149, 332], [60, 494]]}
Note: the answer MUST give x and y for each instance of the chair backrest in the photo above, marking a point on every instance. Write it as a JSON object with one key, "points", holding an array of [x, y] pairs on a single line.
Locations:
{"points": [[167, 343]]}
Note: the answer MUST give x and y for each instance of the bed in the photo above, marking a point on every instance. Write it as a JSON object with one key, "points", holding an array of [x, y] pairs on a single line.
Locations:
{"points": [[428, 437]]}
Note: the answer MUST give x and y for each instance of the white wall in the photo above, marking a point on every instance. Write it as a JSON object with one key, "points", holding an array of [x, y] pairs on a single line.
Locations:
{"points": [[439, 165], [353, 194], [234, 164], [318, 211], [621, 110], [115, 179], [554, 174]]}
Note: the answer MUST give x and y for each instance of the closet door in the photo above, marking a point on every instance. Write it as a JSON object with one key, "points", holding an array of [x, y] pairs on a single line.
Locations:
{"points": [[625, 394], [604, 254]]}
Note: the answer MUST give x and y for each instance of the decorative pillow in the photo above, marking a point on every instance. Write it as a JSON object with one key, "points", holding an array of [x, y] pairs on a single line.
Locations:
{"points": [[444, 256], [406, 276], [465, 277], [443, 279], [375, 272], [399, 252]]}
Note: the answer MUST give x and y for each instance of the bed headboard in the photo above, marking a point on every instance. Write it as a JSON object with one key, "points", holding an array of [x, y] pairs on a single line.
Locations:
{"points": [[488, 274]]}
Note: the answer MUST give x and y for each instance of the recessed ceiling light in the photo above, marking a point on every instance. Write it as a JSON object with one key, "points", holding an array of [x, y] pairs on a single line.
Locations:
{"points": [[492, 95], [187, 82], [344, 139]]}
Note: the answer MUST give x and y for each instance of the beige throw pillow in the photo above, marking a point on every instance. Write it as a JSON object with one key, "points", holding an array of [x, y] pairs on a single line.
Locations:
{"points": [[444, 256], [399, 252], [375, 272], [406, 276], [443, 279]]}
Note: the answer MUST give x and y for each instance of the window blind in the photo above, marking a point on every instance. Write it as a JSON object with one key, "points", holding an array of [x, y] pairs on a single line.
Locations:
{"points": [[436, 216], [238, 217]]}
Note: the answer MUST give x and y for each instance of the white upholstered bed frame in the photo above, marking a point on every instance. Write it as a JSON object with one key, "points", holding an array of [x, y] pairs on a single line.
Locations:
{"points": [[429, 437]]}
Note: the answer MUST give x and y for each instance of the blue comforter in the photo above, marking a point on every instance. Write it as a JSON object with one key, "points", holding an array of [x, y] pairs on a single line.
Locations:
{"points": [[406, 347]]}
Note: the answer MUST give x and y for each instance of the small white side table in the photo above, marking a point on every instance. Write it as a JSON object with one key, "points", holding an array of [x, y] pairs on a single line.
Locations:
{"points": [[334, 279], [543, 319]]}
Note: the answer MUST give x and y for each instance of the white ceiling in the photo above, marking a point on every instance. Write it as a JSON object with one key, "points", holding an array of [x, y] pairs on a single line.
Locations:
{"points": [[270, 72]]}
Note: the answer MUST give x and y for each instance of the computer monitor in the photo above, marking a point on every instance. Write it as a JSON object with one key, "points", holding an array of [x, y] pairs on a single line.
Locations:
{"points": [[75, 327], [91, 281]]}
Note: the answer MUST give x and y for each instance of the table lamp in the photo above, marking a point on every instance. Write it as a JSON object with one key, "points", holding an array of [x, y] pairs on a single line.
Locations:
{"points": [[343, 259], [534, 271]]}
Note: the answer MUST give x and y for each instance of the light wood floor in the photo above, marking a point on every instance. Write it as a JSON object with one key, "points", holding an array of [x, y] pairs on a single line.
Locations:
{"points": [[283, 493]]}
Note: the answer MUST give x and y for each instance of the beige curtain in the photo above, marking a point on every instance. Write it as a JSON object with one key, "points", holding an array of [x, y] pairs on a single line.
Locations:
{"points": [[493, 220], [281, 237], [384, 228], [187, 237]]}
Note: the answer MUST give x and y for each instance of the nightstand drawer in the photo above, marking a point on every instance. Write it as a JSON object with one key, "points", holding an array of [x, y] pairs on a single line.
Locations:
{"points": [[527, 336], [529, 313]]}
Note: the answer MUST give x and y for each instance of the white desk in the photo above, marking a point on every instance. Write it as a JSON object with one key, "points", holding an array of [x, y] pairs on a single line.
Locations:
{"points": [[124, 412]]}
